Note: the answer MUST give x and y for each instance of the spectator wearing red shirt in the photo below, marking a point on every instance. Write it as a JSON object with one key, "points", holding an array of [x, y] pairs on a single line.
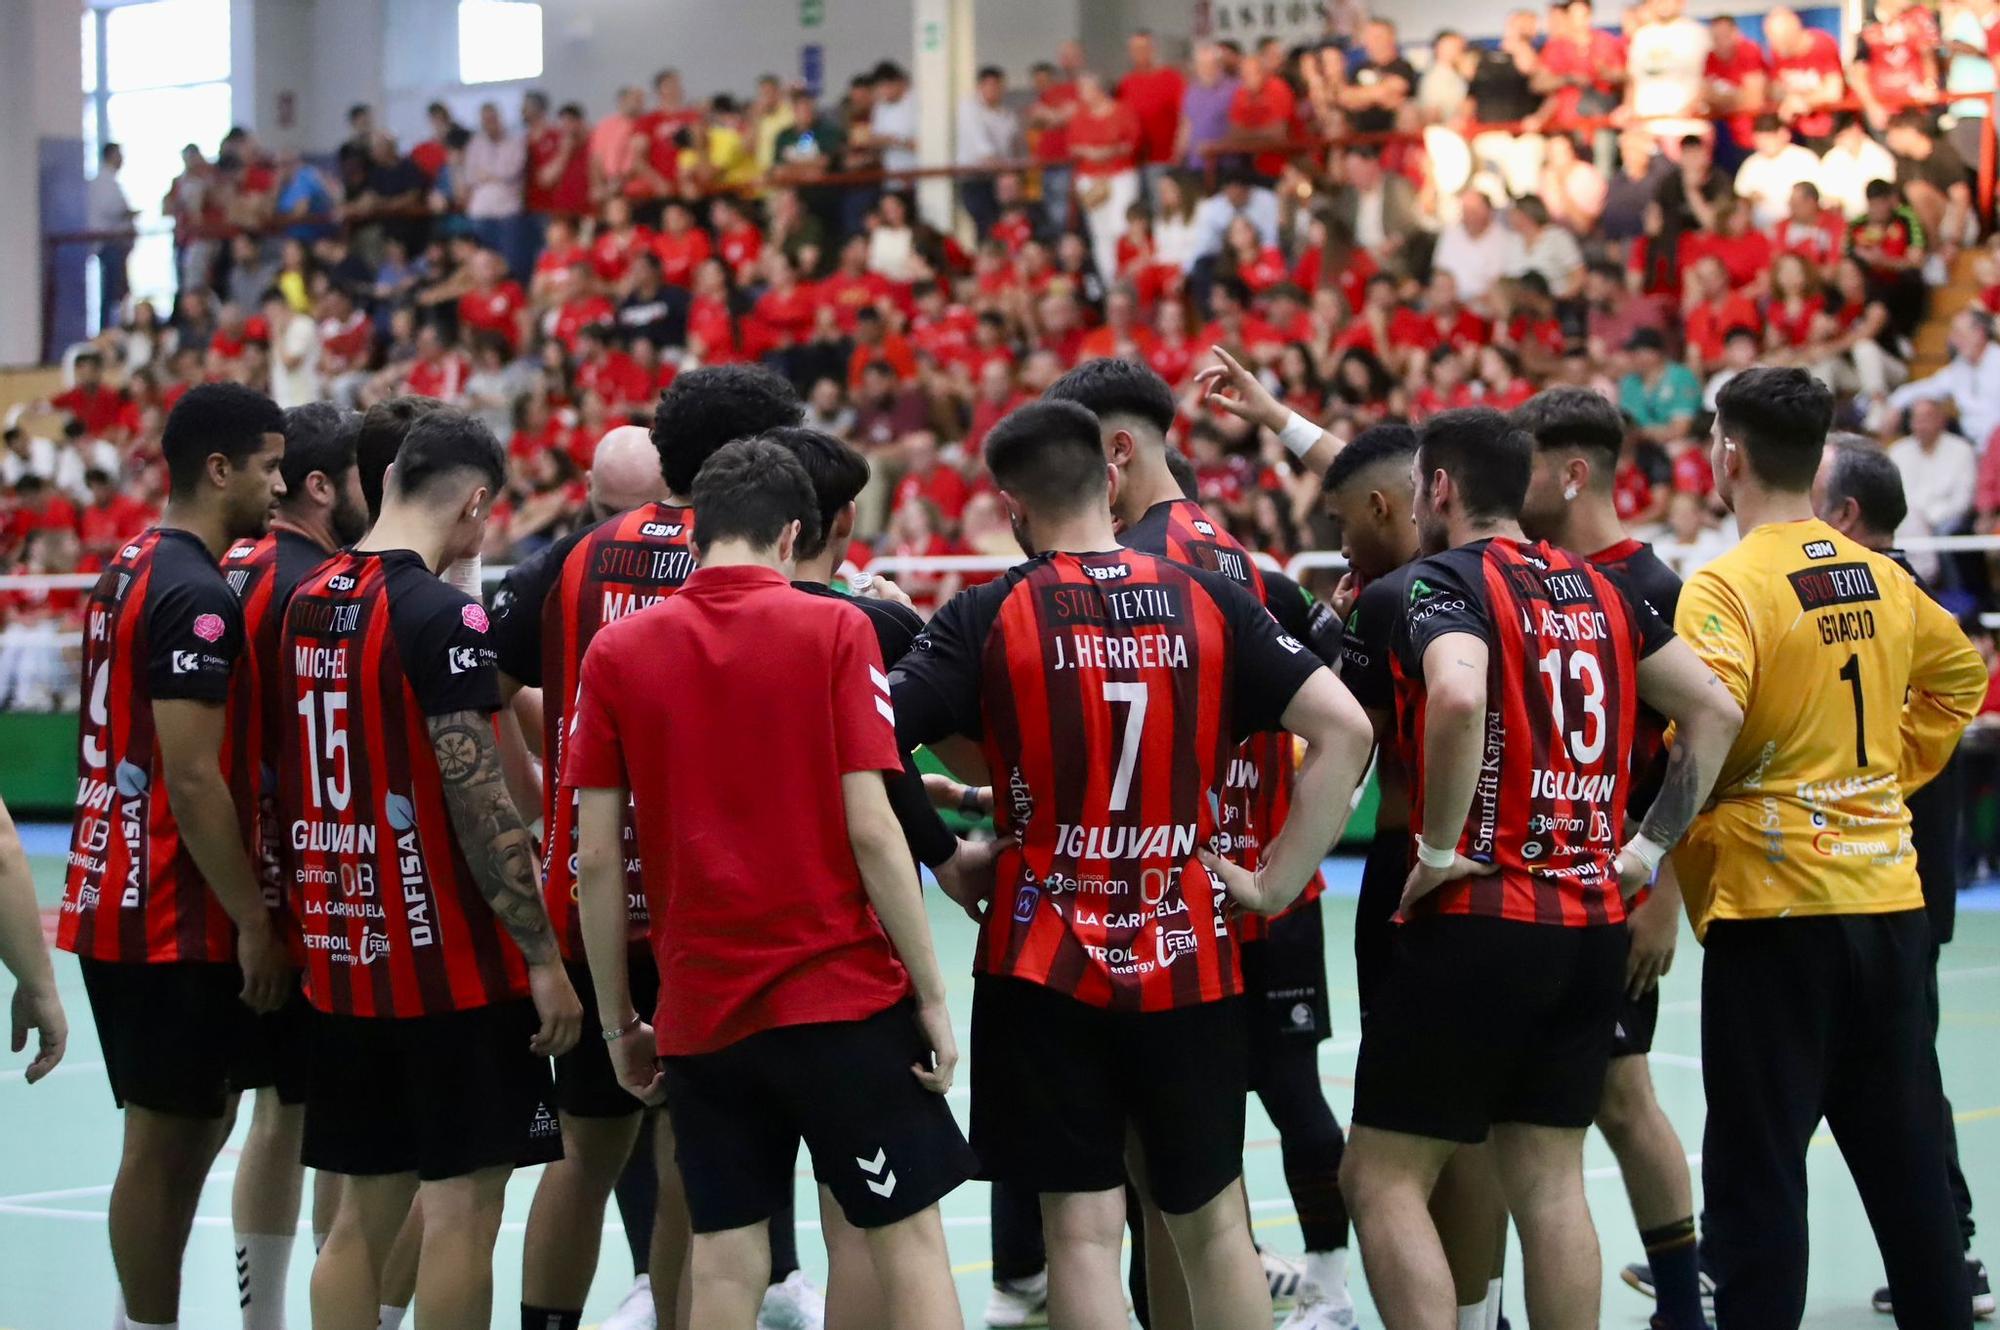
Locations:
{"points": [[618, 241], [583, 308], [941, 329], [851, 287], [1744, 252], [787, 961], [681, 246], [738, 242], [874, 342], [1262, 108], [1175, 350], [545, 144], [1815, 233], [1895, 60], [1587, 62], [1153, 93], [90, 402], [433, 153], [1738, 74], [496, 304], [927, 479], [1121, 334], [784, 312], [603, 369], [1049, 117], [1104, 138], [560, 253], [994, 397], [1805, 76], [1715, 307], [1793, 309], [438, 371]]}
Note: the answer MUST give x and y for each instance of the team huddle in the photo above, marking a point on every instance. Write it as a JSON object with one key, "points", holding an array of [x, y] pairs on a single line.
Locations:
{"points": [[304, 864]]}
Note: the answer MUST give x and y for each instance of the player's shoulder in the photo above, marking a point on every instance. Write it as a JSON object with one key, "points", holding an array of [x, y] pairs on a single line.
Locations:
{"points": [[895, 626], [250, 551], [419, 596], [180, 565]]}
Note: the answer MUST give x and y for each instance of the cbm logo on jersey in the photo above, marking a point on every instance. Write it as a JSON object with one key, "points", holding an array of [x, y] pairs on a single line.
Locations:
{"points": [[402, 818], [1111, 572], [662, 530], [1204, 528], [1821, 549], [340, 582]]}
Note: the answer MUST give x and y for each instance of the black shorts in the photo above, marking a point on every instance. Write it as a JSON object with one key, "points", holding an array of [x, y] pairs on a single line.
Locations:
{"points": [[886, 1147], [276, 1052], [1632, 1034], [178, 1039], [1383, 874], [439, 1096], [586, 1084], [1284, 988], [1055, 1082], [1488, 1020]]}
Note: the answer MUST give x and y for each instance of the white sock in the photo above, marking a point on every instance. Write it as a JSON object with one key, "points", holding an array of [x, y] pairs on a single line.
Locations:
{"points": [[118, 1321], [1327, 1272], [1472, 1316], [262, 1262], [1492, 1304], [392, 1317]]}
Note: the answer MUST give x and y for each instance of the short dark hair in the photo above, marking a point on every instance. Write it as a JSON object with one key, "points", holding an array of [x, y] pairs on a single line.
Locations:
{"points": [[1781, 418], [1107, 388], [1911, 118], [1879, 189], [319, 436], [1863, 472], [382, 432], [1489, 459], [749, 490], [713, 405], [1578, 420], [1048, 454], [1391, 441], [991, 72], [442, 443], [211, 418], [836, 471], [1182, 470]]}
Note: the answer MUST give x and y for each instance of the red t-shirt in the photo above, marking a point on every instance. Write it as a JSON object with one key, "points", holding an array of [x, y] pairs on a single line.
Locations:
{"points": [[1631, 492], [1793, 326], [611, 253], [576, 315], [544, 146], [1804, 73], [1744, 257], [787, 314], [1898, 54], [429, 157], [1251, 112], [680, 255], [102, 530], [1155, 97], [443, 378], [1603, 52], [1707, 326], [1117, 128], [755, 930], [1052, 144], [1748, 58], [739, 247], [1820, 241], [96, 409], [944, 487], [496, 311]]}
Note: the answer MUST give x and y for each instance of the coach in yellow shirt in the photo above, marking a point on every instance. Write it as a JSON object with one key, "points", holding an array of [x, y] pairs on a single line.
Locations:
{"points": [[1801, 880]]}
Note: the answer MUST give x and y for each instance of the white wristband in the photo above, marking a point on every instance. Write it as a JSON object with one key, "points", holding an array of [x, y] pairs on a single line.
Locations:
{"points": [[1299, 435], [1430, 856], [1646, 852], [466, 576]]}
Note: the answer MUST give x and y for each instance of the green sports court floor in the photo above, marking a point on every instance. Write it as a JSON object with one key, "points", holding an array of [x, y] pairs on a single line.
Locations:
{"points": [[61, 1148]]}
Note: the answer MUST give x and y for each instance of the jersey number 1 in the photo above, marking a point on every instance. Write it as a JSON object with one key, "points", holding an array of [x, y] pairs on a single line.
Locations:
{"points": [[1851, 672]]}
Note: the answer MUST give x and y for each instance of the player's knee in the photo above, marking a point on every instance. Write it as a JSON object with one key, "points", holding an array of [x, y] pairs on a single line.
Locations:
{"points": [[733, 1256], [595, 1150], [1083, 1219], [1625, 1108]]}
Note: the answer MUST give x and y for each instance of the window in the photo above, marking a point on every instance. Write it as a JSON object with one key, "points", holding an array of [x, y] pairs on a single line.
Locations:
{"points": [[498, 41], [155, 78]]}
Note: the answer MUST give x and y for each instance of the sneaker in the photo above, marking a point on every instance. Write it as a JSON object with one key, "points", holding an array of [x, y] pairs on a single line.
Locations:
{"points": [[1284, 1275], [1015, 1304], [1639, 1278], [1316, 1312], [1975, 1274], [796, 1304], [636, 1311]]}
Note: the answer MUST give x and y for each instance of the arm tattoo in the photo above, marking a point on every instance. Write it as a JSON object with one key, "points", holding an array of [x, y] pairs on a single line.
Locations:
{"points": [[1677, 802], [490, 831]]}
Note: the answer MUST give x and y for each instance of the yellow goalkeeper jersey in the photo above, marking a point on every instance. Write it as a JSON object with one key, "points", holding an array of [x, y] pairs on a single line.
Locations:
{"points": [[1855, 687]]}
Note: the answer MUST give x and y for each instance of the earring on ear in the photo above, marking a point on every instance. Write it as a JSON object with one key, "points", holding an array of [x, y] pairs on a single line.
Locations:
{"points": [[1570, 492]]}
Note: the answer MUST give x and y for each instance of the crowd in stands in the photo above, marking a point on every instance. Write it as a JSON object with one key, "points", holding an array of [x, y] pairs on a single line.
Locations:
{"points": [[1637, 201]]}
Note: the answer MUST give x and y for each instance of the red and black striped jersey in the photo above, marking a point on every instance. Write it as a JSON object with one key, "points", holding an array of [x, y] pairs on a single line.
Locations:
{"points": [[618, 567], [1564, 641], [263, 573], [161, 626], [1258, 788], [1110, 692], [393, 919], [1647, 575]]}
